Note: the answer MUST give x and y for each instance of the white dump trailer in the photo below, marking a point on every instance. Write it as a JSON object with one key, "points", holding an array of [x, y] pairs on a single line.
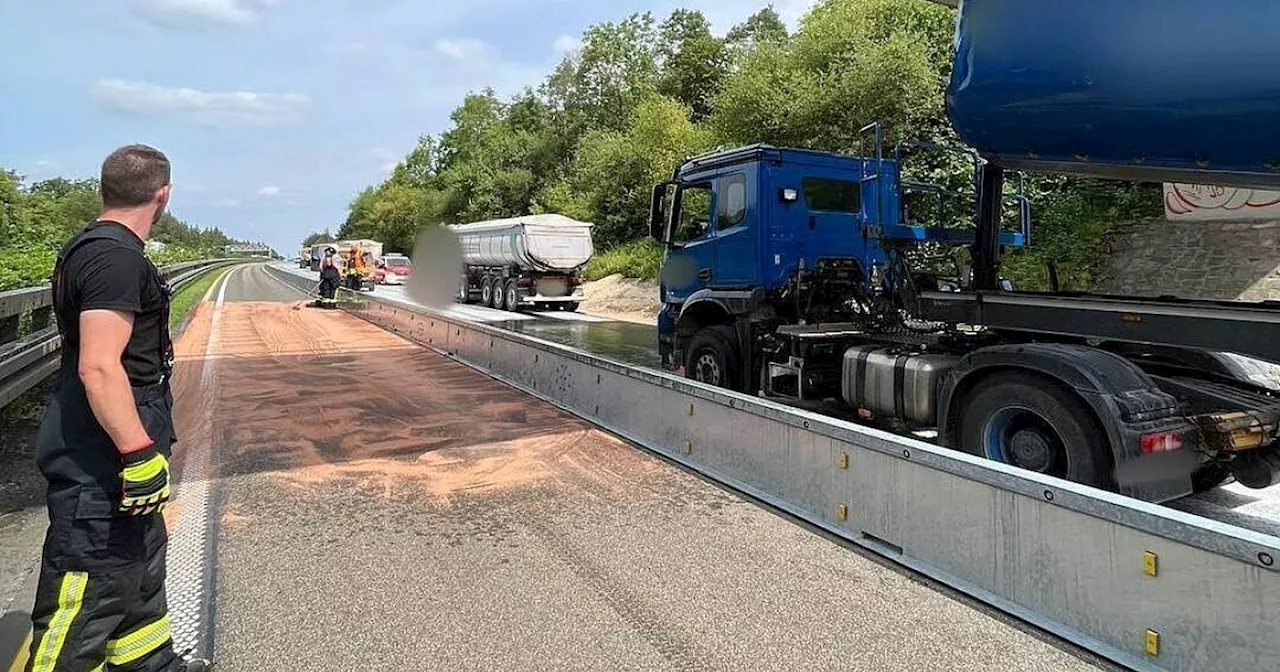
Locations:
{"points": [[534, 261]]}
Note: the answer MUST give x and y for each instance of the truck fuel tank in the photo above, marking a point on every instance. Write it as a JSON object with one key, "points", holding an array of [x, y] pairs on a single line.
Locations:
{"points": [[890, 382]]}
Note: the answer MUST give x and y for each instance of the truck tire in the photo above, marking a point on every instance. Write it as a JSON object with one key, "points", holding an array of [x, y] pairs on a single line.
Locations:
{"points": [[712, 358], [499, 294], [569, 307], [512, 300], [486, 291], [1031, 422], [463, 296]]}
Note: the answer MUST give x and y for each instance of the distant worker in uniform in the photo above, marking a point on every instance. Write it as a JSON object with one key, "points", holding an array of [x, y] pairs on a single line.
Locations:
{"points": [[105, 439], [330, 278], [353, 270]]}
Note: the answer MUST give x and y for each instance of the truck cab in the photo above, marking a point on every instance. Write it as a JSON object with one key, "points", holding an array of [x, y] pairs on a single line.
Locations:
{"points": [[749, 218], [764, 234]]}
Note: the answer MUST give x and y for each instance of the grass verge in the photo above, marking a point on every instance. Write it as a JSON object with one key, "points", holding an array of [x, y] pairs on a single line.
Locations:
{"points": [[636, 259], [190, 294]]}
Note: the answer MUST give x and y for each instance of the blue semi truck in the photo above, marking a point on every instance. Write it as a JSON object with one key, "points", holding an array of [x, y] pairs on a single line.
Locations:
{"points": [[806, 277]]}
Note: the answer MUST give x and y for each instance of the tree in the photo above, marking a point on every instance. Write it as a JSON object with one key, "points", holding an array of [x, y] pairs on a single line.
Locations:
{"points": [[318, 237], [36, 220], [693, 61], [616, 68], [763, 27]]}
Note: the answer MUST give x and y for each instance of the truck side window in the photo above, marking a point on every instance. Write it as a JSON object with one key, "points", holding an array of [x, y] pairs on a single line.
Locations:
{"points": [[826, 195], [734, 194], [695, 213]]}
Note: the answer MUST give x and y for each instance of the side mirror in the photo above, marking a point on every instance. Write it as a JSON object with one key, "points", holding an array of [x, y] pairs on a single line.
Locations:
{"points": [[658, 212]]}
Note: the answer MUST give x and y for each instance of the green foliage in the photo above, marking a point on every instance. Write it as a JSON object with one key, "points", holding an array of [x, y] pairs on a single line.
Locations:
{"points": [[36, 220], [186, 298], [1070, 219], [25, 266], [636, 259], [643, 94], [317, 238]]}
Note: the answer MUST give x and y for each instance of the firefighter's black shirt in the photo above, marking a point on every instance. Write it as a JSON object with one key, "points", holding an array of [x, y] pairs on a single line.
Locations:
{"points": [[114, 274]]}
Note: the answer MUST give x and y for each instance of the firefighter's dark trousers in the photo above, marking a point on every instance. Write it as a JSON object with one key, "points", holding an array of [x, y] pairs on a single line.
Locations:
{"points": [[329, 282], [100, 604]]}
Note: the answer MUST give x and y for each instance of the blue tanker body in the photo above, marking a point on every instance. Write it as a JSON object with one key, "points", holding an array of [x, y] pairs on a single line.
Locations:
{"points": [[1152, 90]]}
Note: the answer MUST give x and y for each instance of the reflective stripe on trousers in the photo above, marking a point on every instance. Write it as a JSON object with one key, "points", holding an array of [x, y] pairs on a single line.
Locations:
{"points": [[70, 598]]}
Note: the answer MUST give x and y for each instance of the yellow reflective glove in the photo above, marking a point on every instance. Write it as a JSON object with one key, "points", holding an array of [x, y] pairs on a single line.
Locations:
{"points": [[146, 482]]}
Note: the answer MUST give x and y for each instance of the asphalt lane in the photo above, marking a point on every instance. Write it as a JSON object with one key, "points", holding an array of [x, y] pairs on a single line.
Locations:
{"points": [[381, 507], [254, 283]]}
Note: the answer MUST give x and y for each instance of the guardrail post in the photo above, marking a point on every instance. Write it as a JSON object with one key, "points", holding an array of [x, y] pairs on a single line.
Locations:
{"points": [[41, 318]]}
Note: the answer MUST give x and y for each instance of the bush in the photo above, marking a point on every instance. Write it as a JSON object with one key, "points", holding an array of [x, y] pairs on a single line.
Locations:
{"points": [[25, 266], [637, 259]]}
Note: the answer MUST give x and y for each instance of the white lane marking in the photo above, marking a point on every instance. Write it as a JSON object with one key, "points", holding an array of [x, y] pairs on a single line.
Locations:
{"points": [[187, 580]]}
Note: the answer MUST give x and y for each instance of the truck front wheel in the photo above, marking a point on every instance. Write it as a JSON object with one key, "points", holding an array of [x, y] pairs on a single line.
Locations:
{"points": [[1031, 422], [711, 357]]}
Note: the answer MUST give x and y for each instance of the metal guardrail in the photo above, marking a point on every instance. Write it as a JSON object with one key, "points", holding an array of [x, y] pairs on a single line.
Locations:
{"points": [[1149, 587], [29, 341]]}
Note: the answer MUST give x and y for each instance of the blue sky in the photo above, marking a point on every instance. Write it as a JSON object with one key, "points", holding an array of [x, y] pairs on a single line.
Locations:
{"points": [[274, 112]]}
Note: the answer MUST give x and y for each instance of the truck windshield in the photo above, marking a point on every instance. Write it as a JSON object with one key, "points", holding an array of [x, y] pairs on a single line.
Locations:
{"points": [[397, 261], [826, 195]]}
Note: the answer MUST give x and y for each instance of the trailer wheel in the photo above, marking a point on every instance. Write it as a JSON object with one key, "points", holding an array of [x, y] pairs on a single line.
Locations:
{"points": [[486, 292], [711, 357], [1031, 422], [571, 307], [512, 302], [499, 294], [463, 294]]}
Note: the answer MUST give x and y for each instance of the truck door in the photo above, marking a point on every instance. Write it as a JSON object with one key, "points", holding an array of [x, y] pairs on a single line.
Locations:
{"points": [[691, 254], [736, 235]]}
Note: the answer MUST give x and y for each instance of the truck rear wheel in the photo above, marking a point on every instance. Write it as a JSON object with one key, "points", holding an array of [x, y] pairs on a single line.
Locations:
{"points": [[512, 300], [711, 357], [499, 294], [486, 292], [1031, 422]]}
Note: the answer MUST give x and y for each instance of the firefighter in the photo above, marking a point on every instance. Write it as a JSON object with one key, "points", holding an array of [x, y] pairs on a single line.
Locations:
{"points": [[330, 278], [353, 269], [105, 439]]}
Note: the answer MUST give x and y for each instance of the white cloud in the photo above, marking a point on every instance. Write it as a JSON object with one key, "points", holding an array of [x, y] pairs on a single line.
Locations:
{"points": [[269, 191], [207, 108], [221, 13], [566, 44], [463, 49]]}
